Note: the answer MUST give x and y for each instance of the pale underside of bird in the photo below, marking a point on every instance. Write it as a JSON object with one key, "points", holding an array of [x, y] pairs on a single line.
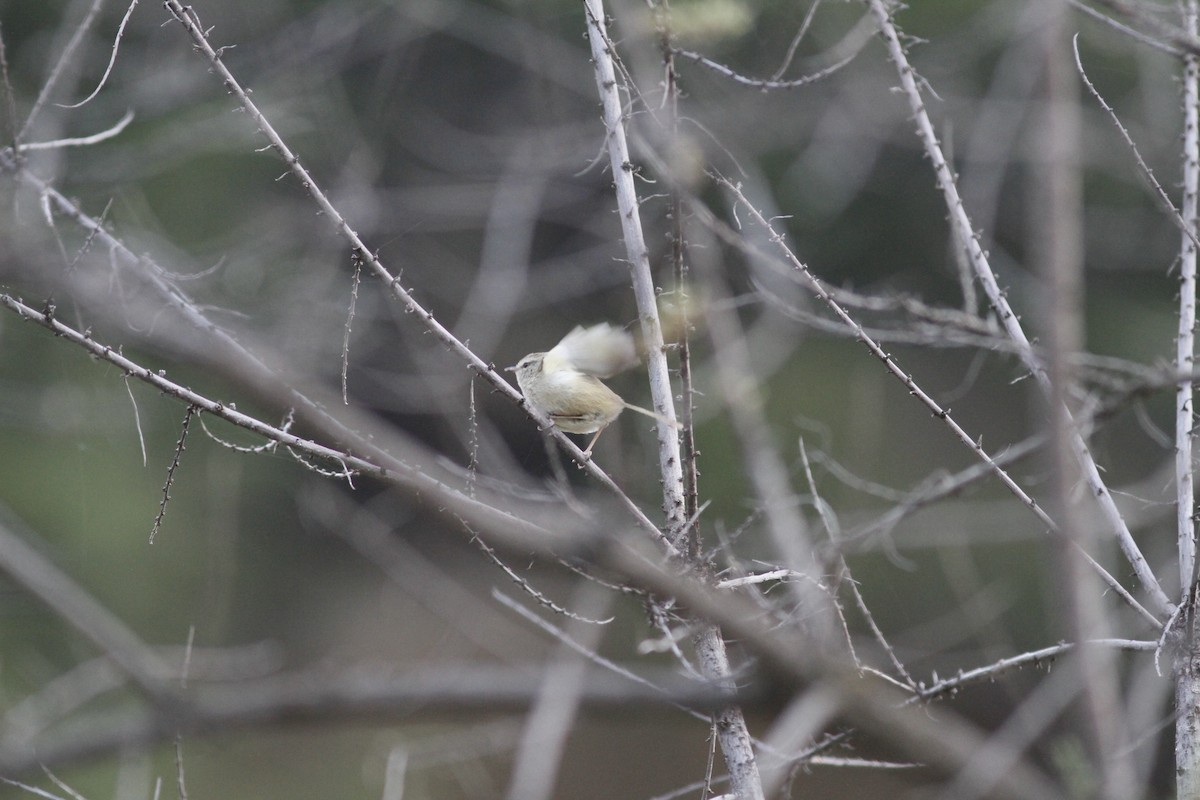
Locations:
{"points": [[564, 382]]}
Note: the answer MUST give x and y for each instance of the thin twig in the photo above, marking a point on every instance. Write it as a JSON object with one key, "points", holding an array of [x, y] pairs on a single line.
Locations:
{"points": [[137, 420], [266, 447], [31, 789], [180, 782], [83, 141], [933, 490], [112, 59], [528, 588], [349, 321], [89, 239], [1034, 658], [60, 66], [1125, 29], [762, 83], [1172, 35], [180, 446], [844, 569], [1173, 213], [590, 654], [799, 37]]}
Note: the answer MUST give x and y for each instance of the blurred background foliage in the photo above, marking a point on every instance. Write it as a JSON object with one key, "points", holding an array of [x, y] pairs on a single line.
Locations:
{"points": [[462, 140]]}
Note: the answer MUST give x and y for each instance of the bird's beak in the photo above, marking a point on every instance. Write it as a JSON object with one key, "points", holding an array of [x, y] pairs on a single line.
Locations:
{"points": [[513, 368]]}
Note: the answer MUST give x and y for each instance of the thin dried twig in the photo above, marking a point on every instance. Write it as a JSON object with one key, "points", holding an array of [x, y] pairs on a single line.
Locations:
{"points": [[349, 321], [1173, 36], [112, 59], [940, 687], [766, 84], [799, 37], [180, 446], [60, 66], [1125, 29], [847, 577], [83, 141], [1177, 219], [137, 420], [528, 588]]}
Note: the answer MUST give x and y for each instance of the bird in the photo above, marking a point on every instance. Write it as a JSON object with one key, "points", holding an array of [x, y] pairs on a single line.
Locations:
{"points": [[564, 382]]}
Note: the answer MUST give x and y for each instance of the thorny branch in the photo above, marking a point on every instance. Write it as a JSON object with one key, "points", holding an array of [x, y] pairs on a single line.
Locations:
{"points": [[999, 301], [187, 18], [925, 399]]}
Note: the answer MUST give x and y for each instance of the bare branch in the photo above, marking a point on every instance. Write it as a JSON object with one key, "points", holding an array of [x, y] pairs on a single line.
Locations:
{"points": [[1185, 342], [999, 301], [64, 59], [1160, 195], [187, 18], [1125, 29], [936, 409], [112, 59], [763, 83], [1033, 658], [38, 576], [180, 446]]}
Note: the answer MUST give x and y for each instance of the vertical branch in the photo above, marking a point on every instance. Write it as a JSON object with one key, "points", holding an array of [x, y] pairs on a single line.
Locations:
{"points": [[639, 270], [544, 740], [1187, 691], [1056, 209], [1185, 344], [691, 489], [180, 446], [732, 732], [1187, 666], [10, 103], [765, 468]]}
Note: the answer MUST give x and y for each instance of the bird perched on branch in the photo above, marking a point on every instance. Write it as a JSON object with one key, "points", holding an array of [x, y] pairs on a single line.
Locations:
{"points": [[564, 382]]}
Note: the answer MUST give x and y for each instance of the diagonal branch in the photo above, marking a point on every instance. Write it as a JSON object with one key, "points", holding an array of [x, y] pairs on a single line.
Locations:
{"points": [[187, 18], [410, 472], [42, 579], [999, 303], [934, 407]]}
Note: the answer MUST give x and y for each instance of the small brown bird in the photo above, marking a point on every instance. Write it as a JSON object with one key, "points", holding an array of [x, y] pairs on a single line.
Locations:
{"points": [[564, 382]]}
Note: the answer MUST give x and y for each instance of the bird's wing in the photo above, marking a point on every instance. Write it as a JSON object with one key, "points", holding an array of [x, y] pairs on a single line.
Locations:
{"points": [[600, 350]]}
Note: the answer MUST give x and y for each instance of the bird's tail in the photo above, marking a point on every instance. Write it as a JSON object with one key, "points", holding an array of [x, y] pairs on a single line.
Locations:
{"points": [[654, 414]]}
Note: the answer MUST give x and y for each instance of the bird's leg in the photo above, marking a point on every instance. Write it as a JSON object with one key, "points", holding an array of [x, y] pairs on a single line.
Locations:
{"points": [[587, 453]]}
